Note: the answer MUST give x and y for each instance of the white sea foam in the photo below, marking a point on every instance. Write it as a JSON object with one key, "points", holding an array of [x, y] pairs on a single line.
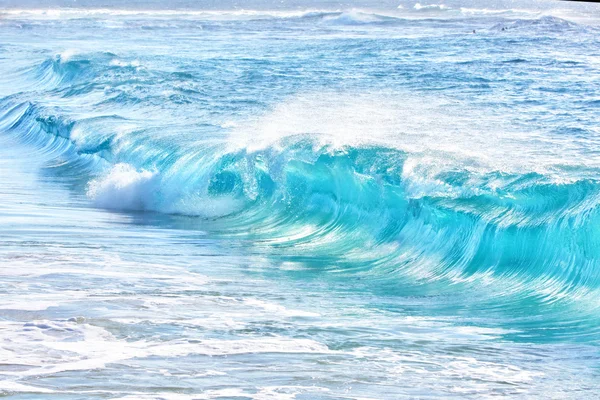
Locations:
{"points": [[69, 13], [260, 393], [121, 63], [80, 346], [7, 386], [429, 7], [124, 188], [279, 309], [436, 133], [67, 55]]}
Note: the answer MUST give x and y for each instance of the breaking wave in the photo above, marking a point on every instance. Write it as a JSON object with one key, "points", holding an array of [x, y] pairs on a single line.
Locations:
{"points": [[299, 192]]}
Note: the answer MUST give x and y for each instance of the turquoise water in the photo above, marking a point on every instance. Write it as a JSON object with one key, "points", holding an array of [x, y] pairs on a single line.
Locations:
{"points": [[299, 201]]}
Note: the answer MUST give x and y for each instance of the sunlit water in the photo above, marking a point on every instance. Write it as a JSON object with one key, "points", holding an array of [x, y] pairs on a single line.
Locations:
{"points": [[312, 201]]}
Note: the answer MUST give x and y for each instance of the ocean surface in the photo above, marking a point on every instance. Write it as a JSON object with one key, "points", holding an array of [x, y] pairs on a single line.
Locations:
{"points": [[299, 200]]}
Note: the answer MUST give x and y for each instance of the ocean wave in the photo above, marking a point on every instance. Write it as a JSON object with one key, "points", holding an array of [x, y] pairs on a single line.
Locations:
{"points": [[355, 17], [52, 135], [351, 202], [361, 204], [78, 73], [545, 23], [387, 184], [498, 11]]}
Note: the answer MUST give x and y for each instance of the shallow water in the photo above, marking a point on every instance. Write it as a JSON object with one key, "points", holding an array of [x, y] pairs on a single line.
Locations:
{"points": [[304, 201]]}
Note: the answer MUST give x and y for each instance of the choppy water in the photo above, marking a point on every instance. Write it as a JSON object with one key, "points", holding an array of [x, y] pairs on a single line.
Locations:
{"points": [[299, 201]]}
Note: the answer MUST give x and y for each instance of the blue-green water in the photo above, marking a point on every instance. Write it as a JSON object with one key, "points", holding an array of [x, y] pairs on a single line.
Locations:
{"points": [[299, 201]]}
